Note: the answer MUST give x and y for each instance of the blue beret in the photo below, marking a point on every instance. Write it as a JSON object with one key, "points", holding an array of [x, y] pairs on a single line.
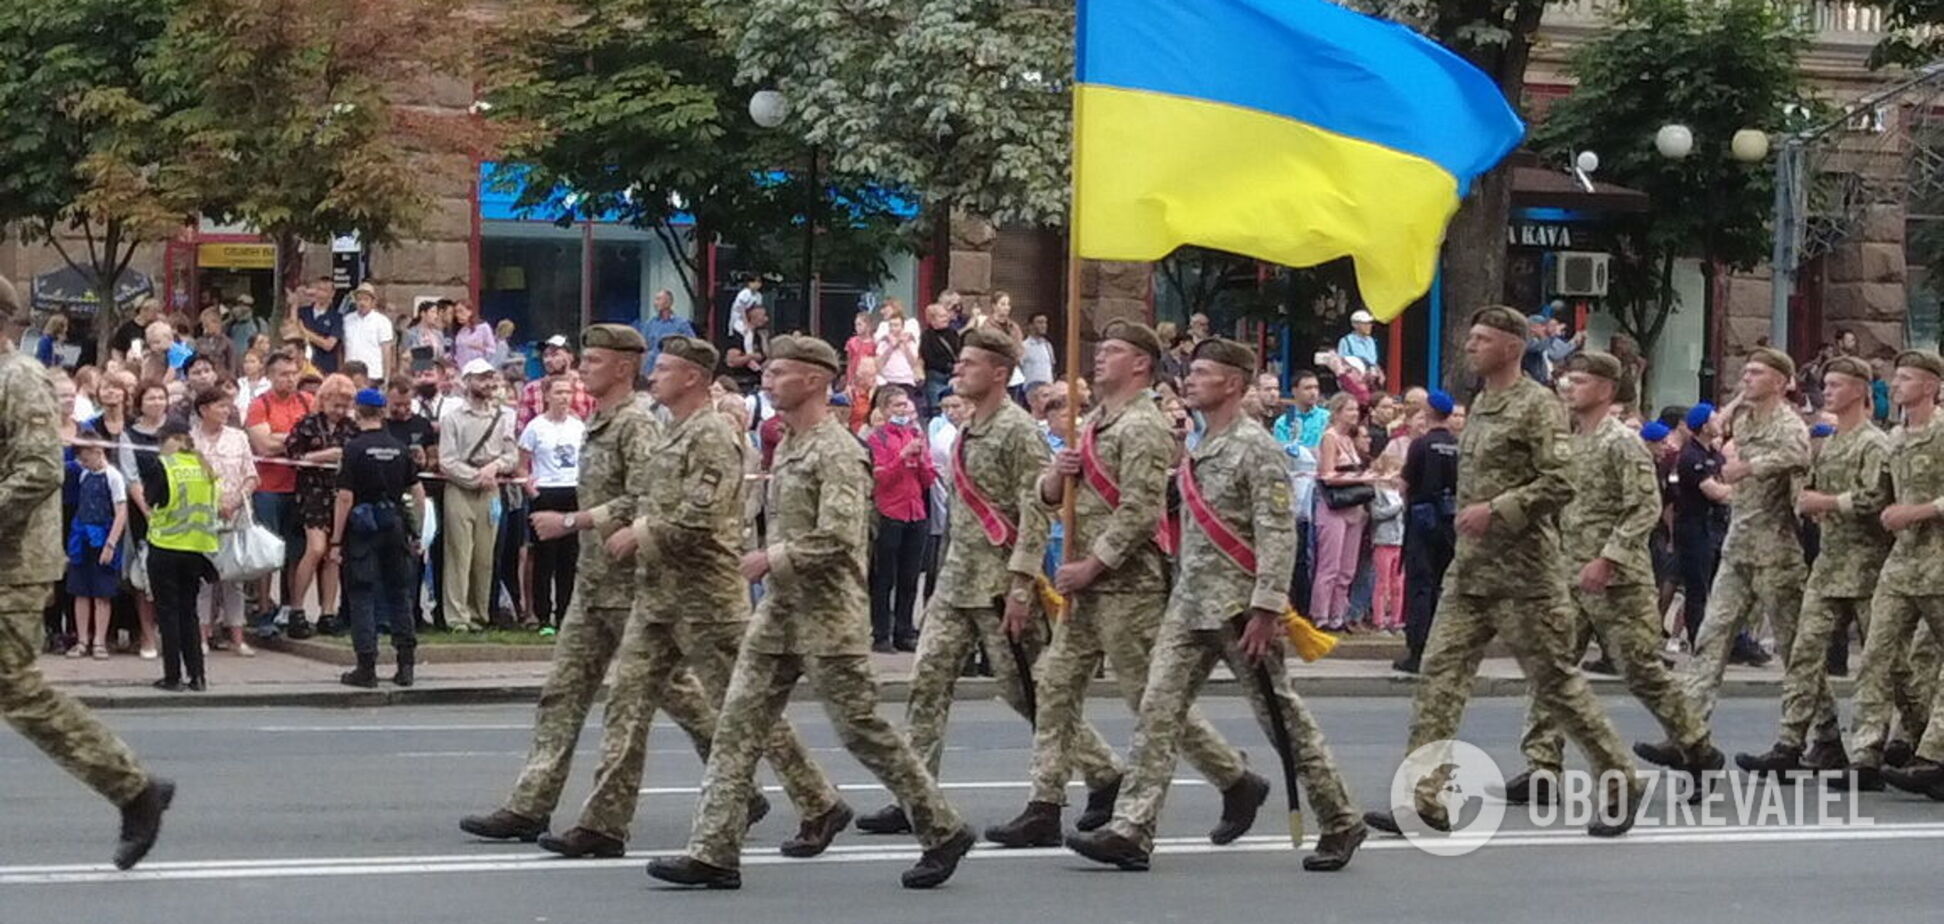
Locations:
{"points": [[1441, 402], [839, 399], [1822, 430], [1699, 415], [371, 397], [1654, 431]]}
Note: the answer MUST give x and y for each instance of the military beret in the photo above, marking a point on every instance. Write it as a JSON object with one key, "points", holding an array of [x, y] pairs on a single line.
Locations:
{"points": [[1822, 431], [1227, 352], [1134, 334], [614, 337], [1596, 363], [371, 397], [1501, 318], [1654, 431], [1921, 359], [993, 341], [1699, 415], [1440, 401], [1774, 359], [1851, 366], [803, 349], [690, 349]]}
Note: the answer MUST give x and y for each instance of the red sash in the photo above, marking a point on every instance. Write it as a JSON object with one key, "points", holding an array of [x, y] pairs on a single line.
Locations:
{"points": [[1211, 523], [998, 529], [1167, 533]]}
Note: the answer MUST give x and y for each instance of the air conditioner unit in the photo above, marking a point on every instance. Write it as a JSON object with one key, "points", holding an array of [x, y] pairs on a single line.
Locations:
{"points": [[1580, 274]]}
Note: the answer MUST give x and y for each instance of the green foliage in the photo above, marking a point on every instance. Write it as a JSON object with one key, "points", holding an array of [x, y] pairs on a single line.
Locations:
{"points": [[1915, 39]]}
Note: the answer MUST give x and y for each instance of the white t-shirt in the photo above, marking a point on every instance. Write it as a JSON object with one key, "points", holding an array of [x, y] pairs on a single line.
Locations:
{"points": [[117, 482], [1036, 361], [739, 309], [556, 449], [365, 339]]}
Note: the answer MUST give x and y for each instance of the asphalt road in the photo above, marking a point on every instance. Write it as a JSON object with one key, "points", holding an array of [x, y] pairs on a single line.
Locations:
{"points": [[334, 816]]}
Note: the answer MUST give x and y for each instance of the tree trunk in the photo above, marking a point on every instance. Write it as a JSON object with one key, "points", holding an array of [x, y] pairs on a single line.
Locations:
{"points": [[941, 251], [1474, 265]]}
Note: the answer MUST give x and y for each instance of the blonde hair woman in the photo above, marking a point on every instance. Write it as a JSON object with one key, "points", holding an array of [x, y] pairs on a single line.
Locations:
{"points": [[319, 438], [1339, 529]]}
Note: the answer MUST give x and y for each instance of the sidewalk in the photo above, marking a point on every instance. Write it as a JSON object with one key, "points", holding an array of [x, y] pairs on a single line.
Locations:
{"points": [[278, 679]]}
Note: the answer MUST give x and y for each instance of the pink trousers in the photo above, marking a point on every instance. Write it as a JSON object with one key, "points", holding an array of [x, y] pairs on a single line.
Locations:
{"points": [[1339, 533], [1387, 599]]}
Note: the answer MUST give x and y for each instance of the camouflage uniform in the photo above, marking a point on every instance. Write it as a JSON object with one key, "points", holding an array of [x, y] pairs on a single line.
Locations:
{"points": [[814, 620], [1762, 567], [1004, 455], [1910, 590], [1240, 471], [1616, 503], [1510, 582], [617, 446], [692, 610], [1118, 616], [31, 560]]}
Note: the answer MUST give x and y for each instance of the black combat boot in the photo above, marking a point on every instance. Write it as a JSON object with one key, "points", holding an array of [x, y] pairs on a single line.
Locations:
{"points": [[1530, 787], [1704, 764], [1389, 823], [1333, 851], [758, 810], [407, 668], [937, 864], [577, 842], [1661, 754], [1109, 848], [1776, 761], [1037, 826], [1100, 807], [1629, 804], [1240, 803], [887, 820], [503, 825], [1920, 776], [1859, 779], [815, 834], [365, 675], [141, 822], [1898, 753], [689, 871]]}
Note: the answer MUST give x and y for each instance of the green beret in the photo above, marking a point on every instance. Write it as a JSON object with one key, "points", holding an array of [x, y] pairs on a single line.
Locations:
{"points": [[1227, 352], [1595, 363], [614, 337], [1851, 366], [1134, 334], [1921, 359], [1502, 318], [1774, 359], [993, 341], [690, 349], [803, 349]]}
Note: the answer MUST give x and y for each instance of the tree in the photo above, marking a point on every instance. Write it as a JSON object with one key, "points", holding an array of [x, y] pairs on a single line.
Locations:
{"points": [[1915, 39], [295, 125], [1716, 68], [82, 166]]}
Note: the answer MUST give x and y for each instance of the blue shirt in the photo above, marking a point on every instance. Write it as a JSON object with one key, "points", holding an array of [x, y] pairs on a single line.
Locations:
{"points": [[654, 329], [1359, 346], [1304, 428], [323, 323]]}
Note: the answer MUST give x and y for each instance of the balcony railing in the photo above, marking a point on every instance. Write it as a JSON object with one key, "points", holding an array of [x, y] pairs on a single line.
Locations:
{"points": [[1830, 20]]}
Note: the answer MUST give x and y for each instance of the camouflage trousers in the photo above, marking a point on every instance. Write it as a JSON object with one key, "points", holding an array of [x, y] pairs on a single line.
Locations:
{"points": [[1536, 628], [1805, 684], [1629, 632], [1183, 658], [752, 712], [1120, 629], [62, 728], [1741, 595], [944, 642], [654, 655], [586, 645], [1894, 619]]}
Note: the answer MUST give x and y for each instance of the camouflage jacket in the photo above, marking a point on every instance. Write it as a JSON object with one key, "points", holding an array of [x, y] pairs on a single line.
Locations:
{"points": [[1762, 525], [1003, 455], [1853, 465], [1915, 566], [691, 524], [1616, 504], [820, 517], [1136, 449], [30, 474], [1513, 455], [1243, 476], [615, 453]]}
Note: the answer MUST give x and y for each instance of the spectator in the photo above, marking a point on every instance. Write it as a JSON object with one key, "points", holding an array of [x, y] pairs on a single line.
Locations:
{"points": [[94, 549], [252, 385], [751, 296], [128, 343], [954, 304], [1535, 363], [269, 421], [556, 361], [1174, 363], [904, 475], [1430, 478], [861, 345], [1339, 531], [182, 537], [502, 354], [1387, 545], [321, 326], [746, 349], [1358, 343], [225, 450], [1058, 436], [897, 353], [421, 440], [55, 350], [244, 326], [1036, 360], [476, 446], [1268, 400], [550, 447], [941, 436], [663, 324], [427, 330], [472, 337], [938, 349], [1879, 387], [858, 395], [368, 335], [1383, 417], [151, 404], [318, 439], [1304, 421], [1198, 327]]}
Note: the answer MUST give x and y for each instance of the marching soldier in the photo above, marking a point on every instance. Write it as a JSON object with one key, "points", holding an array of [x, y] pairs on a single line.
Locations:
{"points": [[1603, 533], [1507, 576], [691, 610], [1238, 545], [986, 588], [1117, 588], [616, 450], [31, 560], [814, 620]]}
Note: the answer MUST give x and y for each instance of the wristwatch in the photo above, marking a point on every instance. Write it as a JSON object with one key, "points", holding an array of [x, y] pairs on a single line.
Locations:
{"points": [[567, 522]]}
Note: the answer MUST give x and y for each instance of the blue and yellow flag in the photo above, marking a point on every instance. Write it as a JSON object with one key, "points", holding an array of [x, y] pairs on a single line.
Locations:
{"points": [[1292, 131]]}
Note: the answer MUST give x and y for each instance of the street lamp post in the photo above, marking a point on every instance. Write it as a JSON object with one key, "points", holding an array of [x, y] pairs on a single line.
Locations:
{"points": [[1675, 142], [769, 109]]}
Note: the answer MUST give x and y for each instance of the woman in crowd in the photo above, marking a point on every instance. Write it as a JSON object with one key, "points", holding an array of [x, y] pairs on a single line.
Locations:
{"points": [[253, 383], [319, 438], [427, 330], [139, 442], [226, 452], [182, 537], [904, 475], [897, 354], [54, 349], [213, 340], [472, 337], [1339, 530], [550, 454]]}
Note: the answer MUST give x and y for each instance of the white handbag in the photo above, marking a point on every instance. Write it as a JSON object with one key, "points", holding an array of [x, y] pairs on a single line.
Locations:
{"points": [[248, 551]]}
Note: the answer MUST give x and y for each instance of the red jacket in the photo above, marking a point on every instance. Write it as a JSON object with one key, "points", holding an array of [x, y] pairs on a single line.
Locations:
{"points": [[902, 484]]}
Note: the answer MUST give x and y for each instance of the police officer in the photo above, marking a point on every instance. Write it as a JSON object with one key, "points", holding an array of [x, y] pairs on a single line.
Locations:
{"points": [[1431, 490], [31, 561], [378, 541]]}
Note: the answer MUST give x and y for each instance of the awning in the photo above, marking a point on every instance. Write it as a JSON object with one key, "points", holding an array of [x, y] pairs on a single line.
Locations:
{"points": [[1534, 186], [72, 291]]}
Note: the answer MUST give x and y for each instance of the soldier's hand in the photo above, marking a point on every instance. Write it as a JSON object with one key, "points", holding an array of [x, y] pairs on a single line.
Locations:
{"points": [[622, 545], [1073, 577], [755, 565], [1815, 503], [1595, 577], [1261, 634], [548, 525], [1066, 463], [1902, 516], [1018, 613], [1474, 520]]}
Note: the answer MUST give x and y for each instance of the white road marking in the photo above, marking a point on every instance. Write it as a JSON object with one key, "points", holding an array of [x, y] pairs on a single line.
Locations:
{"points": [[321, 867], [878, 787]]}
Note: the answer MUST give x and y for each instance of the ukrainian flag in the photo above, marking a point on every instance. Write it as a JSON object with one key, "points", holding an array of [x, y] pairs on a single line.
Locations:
{"points": [[1292, 131]]}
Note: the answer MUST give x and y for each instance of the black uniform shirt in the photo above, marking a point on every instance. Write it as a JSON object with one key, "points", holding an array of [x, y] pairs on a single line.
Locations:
{"points": [[377, 467]]}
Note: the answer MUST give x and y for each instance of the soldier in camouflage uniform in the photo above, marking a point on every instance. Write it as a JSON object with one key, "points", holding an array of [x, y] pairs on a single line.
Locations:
{"points": [[994, 555], [31, 560], [1117, 589], [1849, 485], [1238, 546], [1603, 534], [616, 450], [814, 620], [691, 608], [1507, 575]]}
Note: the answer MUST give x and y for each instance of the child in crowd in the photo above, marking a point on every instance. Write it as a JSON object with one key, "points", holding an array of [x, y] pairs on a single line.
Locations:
{"points": [[94, 549], [1387, 545]]}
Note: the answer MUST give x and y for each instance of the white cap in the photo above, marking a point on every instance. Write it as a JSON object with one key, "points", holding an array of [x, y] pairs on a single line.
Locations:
{"points": [[1355, 363], [557, 341], [1362, 317], [476, 366]]}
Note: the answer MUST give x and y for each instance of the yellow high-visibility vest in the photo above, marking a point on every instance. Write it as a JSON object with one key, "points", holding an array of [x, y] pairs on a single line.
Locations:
{"points": [[187, 523]]}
